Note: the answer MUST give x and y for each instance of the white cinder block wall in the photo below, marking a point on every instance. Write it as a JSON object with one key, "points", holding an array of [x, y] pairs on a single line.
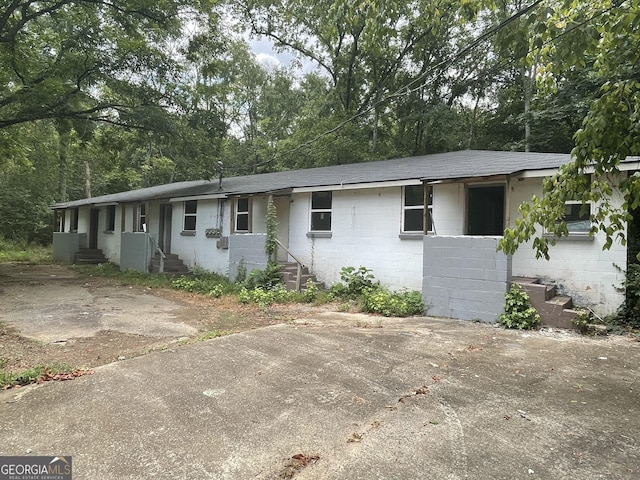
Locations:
{"points": [[366, 226], [198, 250], [581, 269]]}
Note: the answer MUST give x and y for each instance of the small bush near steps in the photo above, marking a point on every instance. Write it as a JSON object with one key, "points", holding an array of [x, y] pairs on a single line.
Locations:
{"points": [[518, 311]]}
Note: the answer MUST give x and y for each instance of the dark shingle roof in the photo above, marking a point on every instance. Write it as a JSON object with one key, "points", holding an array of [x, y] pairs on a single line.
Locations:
{"points": [[440, 166]]}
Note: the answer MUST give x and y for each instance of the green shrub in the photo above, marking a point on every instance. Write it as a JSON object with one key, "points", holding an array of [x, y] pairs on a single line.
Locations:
{"points": [[355, 282], [266, 279], [518, 312], [265, 297], [393, 304], [204, 282], [21, 251], [628, 315]]}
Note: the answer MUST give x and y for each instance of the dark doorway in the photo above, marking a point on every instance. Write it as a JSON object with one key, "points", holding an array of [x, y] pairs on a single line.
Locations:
{"points": [[164, 236], [485, 210], [94, 222]]}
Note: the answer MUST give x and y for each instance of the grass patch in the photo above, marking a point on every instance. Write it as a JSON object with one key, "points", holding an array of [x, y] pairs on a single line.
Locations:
{"points": [[206, 336], [124, 277], [30, 375], [15, 251]]}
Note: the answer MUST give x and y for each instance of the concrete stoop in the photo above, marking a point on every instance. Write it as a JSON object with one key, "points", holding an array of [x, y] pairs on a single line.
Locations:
{"points": [[172, 264], [290, 274], [554, 310], [92, 256]]}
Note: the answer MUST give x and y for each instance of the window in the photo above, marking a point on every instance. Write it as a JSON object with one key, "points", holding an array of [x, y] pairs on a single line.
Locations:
{"points": [[413, 209], [111, 218], [242, 220], [74, 219], [142, 218], [190, 211], [577, 216], [321, 211], [59, 222], [485, 210]]}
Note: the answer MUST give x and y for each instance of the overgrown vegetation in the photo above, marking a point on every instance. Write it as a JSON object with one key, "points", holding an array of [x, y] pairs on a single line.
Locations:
{"points": [[518, 311], [628, 315], [21, 251], [359, 284]]}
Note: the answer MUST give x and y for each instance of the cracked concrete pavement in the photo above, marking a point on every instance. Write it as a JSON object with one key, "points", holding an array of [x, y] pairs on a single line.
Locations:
{"points": [[360, 397]]}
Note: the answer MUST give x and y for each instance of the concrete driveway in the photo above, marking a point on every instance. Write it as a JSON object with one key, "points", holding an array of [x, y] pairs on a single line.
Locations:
{"points": [[347, 397]]}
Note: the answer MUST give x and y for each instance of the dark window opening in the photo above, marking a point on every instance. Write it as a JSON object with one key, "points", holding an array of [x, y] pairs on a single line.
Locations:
{"points": [[74, 220], [242, 215], [111, 218], [485, 210]]}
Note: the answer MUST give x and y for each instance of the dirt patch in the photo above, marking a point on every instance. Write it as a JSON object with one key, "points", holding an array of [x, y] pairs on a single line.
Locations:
{"points": [[52, 313]]}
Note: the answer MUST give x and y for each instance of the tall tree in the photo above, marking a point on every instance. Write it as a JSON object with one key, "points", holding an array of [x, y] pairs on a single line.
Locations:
{"points": [[607, 33], [84, 59]]}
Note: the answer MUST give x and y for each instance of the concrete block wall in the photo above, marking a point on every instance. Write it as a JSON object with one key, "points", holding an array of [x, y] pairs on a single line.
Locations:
{"points": [[197, 250], [136, 251], [579, 266], [248, 250], [464, 277], [66, 244], [365, 231]]}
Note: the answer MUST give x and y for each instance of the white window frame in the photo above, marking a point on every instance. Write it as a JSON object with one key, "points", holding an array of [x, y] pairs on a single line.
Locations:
{"points": [[320, 211], [142, 217], [428, 191], [238, 213], [193, 215]]}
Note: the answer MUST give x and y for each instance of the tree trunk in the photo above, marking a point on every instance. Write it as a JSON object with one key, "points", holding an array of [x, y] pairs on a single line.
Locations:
{"points": [[529, 76], [87, 179], [63, 151]]}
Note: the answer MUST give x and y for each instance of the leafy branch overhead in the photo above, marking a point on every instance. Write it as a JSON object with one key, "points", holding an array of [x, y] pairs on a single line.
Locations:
{"points": [[603, 34]]}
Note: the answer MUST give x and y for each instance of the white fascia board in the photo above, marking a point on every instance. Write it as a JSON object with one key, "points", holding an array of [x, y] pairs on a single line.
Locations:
{"points": [[106, 204], [545, 172], [358, 186], [214, 196], [626, 166]]}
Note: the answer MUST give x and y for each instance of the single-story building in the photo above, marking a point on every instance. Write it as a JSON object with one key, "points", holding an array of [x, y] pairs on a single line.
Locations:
{"points": [[428, 223]]}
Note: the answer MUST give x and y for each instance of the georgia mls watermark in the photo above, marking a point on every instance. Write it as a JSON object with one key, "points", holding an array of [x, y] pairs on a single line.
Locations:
{"points": [[35, 468]]}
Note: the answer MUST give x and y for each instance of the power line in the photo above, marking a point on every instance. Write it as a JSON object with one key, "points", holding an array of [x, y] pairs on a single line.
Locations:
{"points": [[407, 88], [411, 86]]}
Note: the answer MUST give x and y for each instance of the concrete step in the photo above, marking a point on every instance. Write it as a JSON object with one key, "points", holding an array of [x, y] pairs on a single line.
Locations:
{"points": [[554, 310], [290, 274], [89, 256], [172, 264]]}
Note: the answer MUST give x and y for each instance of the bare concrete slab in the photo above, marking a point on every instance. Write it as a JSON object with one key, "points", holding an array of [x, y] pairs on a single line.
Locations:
{"points": [[51, 307], [342, 397]]}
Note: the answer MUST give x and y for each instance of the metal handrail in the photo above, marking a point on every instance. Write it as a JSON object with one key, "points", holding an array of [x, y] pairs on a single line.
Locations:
{"points": [[159, 250], [300, 265]]}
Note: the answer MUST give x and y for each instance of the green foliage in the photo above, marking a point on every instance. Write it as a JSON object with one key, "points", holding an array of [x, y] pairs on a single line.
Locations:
{"points": [[518, 312], [355, 282], [270, 245], [30, 375], [203, 282], [609, 131], [360, 284], [393, 304], [265, 297], [268, 278], [20, 251], [628, 315]]}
